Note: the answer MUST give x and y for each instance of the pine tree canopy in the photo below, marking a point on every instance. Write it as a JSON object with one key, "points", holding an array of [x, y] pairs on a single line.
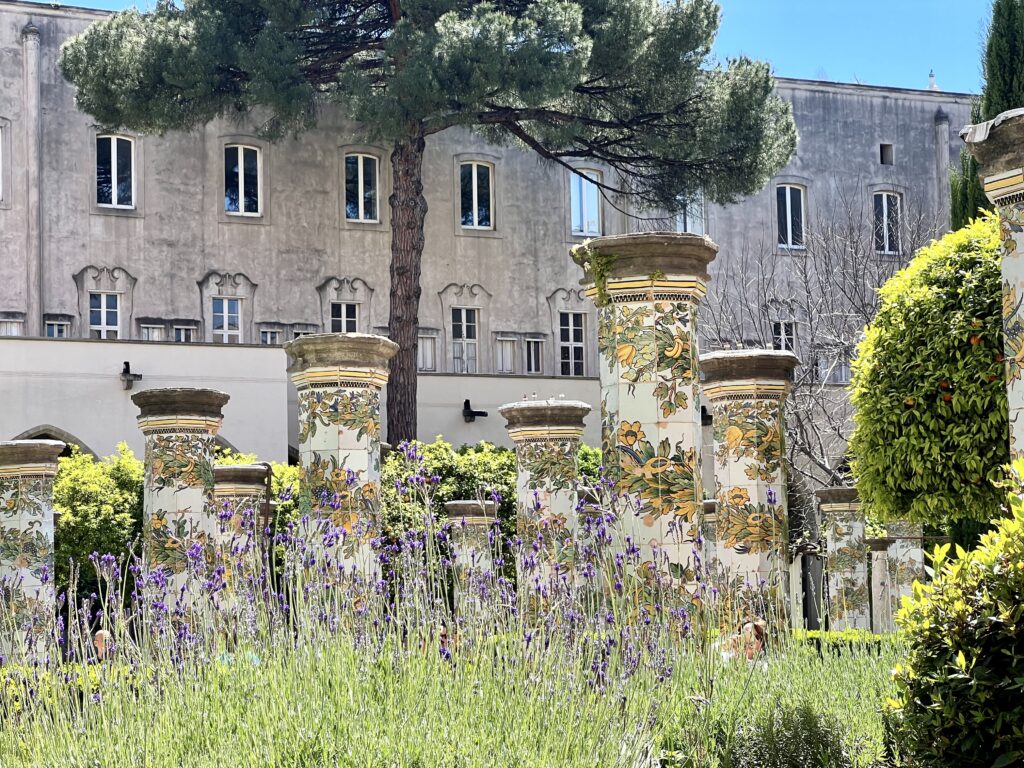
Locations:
{"points": [[629, 83], [1004, 60]]}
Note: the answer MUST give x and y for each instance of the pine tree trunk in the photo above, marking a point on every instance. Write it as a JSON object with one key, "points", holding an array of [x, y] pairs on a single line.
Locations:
{"points": [[408, 211]]}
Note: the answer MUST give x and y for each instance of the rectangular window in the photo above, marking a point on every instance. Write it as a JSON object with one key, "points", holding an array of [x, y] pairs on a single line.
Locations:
{"points": [[570, 343], [104, 315], [887, 223], [152, 332], [115, 172], [789, 201], [505, 355], [344, 317], [885, 154], [464, 340], [270, 337], [361, 188], [534, 348], [56, 329], [242, 170], [227, 320], [691, 218], [184, 334], [11, 327], [477, 195], [585, 203], [426, 353], [784, 335]]}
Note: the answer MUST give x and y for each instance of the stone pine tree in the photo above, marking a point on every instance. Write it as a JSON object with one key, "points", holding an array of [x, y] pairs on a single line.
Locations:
{"points": [[625, 83], [1003, 89]]}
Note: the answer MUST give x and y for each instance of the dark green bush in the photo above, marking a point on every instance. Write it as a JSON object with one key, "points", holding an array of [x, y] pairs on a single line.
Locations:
{"points": [[930, 436], [960, 697]]}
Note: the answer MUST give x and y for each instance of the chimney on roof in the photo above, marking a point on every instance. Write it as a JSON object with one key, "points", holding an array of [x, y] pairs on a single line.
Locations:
{"points": [[932, 85]]}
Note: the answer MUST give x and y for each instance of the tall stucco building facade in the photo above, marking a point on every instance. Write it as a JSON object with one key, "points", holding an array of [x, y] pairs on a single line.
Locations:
{"points": [[194, 256]]}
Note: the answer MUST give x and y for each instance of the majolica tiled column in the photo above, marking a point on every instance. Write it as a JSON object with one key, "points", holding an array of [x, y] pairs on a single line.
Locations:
{"points": [[846, 563], [882, 604], [746, 393], [179, 511], [998, 146], [471, 523], [240, 491], [906, 560], [647, 288], [27, 469], [547, 435], [339, 377]]}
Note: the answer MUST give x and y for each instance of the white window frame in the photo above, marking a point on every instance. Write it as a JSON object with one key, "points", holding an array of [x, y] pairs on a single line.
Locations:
{"points": [[361, 187], [61, 329], [788, 242], [784, 335], [113, 138], [577, 188], [534, 349], [577, 349], [146, 332], [225, 336], [184, 334], [270, 337], [474, 166], [12, 327], [465, 350], [344, 320], [505, 355], [241, 181], [103, 330], [421, 352], [887, 248]]}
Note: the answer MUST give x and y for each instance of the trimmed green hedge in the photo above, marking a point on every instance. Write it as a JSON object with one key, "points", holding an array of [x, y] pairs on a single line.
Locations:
{"points": [[931, 428]]}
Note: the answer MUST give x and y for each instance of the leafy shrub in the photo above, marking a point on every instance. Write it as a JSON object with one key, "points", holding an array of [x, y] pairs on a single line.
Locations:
{"points": [[960, 698], [789, 737], [839, 640], [930, 405], [99, 509]]}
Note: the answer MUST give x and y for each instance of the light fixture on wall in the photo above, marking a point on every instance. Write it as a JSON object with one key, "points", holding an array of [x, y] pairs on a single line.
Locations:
{"points": [[469, 414], [128, 378]]}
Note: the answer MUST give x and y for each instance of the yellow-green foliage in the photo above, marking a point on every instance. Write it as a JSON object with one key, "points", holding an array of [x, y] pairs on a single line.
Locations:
{"points": [[931, 416], [99, 508], [960, 697]]}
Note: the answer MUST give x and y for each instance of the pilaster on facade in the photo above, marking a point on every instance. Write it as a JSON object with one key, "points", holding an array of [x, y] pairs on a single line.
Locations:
{"points": [[27, 597], [998, 146], [339, 378], [647, 288], [180, 515]]}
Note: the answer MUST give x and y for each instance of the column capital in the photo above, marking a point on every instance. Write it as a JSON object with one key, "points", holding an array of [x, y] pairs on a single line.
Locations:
{"points": [[30, 33], [339, 351], [29, 456], [661, 262], [180, 401], [838, 496], [551, 417], [472, 511], [750, 372], [228, 478], [998, 146]]}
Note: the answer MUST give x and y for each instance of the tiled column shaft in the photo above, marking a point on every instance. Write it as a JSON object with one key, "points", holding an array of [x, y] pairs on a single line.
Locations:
{"points": [[547, 435], [240, 491], [27, 469], [998, 146], [746, 393], [905, 557], [647, 288], [882, 604], [339, 377], [179, 511], [472, 522], [848, 604]]}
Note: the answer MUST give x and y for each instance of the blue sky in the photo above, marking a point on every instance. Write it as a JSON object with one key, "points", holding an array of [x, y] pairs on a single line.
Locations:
{"points": [[877, 42]]}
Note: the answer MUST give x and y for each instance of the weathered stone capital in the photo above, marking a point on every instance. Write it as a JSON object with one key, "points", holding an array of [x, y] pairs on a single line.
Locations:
{"points": [[998, 144], [646, 254], [30, 33], [29, 456], [180, 401], [838, 496], [234, 476], [473, 512], [557, 417], [339, 351]]}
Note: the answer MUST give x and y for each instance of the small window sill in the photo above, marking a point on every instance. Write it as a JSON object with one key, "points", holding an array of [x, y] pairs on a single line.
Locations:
{"points": [[112, 210], [490, 232], [230, 217]]}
